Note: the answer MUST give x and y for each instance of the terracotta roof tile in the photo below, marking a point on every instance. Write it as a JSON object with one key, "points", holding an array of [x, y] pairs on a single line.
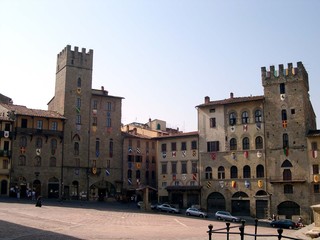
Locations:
{"points": [[233, 100], [23, 110]]}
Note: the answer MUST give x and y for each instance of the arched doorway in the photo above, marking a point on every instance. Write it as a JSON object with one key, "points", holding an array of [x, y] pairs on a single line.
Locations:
{"points": [[53, 188], [288, 208], [4, 187], [102, 190], [240, 204], [37, 187], [262, 209], [216, 202]]}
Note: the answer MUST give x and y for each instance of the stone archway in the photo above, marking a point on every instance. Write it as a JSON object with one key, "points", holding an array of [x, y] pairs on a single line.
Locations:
{"points": [[102, 190], [216, 202], [288, 209], [240, 204], [53, 188]]}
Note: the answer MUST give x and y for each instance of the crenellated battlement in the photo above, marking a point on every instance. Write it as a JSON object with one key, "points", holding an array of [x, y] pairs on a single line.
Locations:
{"points": [[284, 74], [75, 58]]}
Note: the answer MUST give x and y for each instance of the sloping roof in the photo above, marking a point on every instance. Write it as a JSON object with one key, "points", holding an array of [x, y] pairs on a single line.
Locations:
{"points": [[233, 100], [23, 110], [178, 135], [313, 133], [103, 93]]}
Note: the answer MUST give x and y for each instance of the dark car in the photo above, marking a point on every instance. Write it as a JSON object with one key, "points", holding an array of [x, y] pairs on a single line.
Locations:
{"points": [[284, 223], [192, 211], [167, 208], [226, 216]]}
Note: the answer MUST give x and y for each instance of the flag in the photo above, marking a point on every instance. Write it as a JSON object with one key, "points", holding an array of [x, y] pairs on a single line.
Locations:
{"points": [[107, 172], [174, 177], [138, 151], [174, 153], [284, 123], [208, 184], [316, 178], [286, 151], [184, 153], [247, 184], [260, 183], [234, 184], [129, 181], [245, 127], [258, 126], [194, 176], [314, 153], [246, 154]]}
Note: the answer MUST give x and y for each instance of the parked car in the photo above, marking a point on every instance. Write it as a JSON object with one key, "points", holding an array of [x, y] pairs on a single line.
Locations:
{"points": [[168, 208], [192, 211], [284, 223], [226, 216]]}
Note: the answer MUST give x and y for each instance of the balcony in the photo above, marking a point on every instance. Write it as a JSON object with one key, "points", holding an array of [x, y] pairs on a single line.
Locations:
{"points": [[5, 153], [287, 181], [43, 132]]}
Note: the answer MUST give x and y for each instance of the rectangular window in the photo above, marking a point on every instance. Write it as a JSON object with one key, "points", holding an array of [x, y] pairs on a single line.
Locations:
{"points": [[78, 119], [39, 124], [108, 122], [24, 123], [7, 127], [5, 164], [54, 126], [282, 88], [164, 184], [314, 146], [173, 146], [95, 104], [213, 146], [212, 122], [163, 147], [316, 188], [94, 121], [315, 169], [212, 110], [78, 104], [184, 167], [288, 189], [194, 145], [183, 146], [194, 167], [164, 168], [174, 167], [109, 106], [138, 143]]}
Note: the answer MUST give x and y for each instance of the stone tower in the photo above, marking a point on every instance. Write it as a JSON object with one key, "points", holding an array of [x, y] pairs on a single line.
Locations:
{"points": [[92, 149], [288, 116]]}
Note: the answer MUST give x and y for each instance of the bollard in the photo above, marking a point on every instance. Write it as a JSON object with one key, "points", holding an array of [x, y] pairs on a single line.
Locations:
{"points": [[210, 231], [280, 231]]}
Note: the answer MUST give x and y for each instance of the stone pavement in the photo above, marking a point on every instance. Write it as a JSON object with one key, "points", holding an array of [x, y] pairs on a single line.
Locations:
{"points": [[21, 220]]}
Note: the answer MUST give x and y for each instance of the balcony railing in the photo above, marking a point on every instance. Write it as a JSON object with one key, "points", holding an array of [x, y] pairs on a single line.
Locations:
{"points": [[33, 131], [5, 153]]}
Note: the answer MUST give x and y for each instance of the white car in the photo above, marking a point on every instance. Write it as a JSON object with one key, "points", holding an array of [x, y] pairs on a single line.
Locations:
{"points": [[226, 216], [196, 212], [168, 208]]}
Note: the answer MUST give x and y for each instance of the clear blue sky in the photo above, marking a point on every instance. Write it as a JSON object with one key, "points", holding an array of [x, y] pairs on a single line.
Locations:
{"points": [[163, 57]]}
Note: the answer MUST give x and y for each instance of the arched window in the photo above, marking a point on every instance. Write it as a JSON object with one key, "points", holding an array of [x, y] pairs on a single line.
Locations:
{"points": [[221, 173], [260, 171], [258, 116], [233, 144], [245, 143], [39, 142], [246, 172], [208, 173], [233, 172], [232, 119], [37, 161], [138, 175], [23, 141], [22, 160], [259, 142], [245, 117]]}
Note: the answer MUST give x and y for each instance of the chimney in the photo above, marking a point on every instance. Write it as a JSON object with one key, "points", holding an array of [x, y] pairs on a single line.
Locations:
{"points": [[206, 99], [231, 95]]}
